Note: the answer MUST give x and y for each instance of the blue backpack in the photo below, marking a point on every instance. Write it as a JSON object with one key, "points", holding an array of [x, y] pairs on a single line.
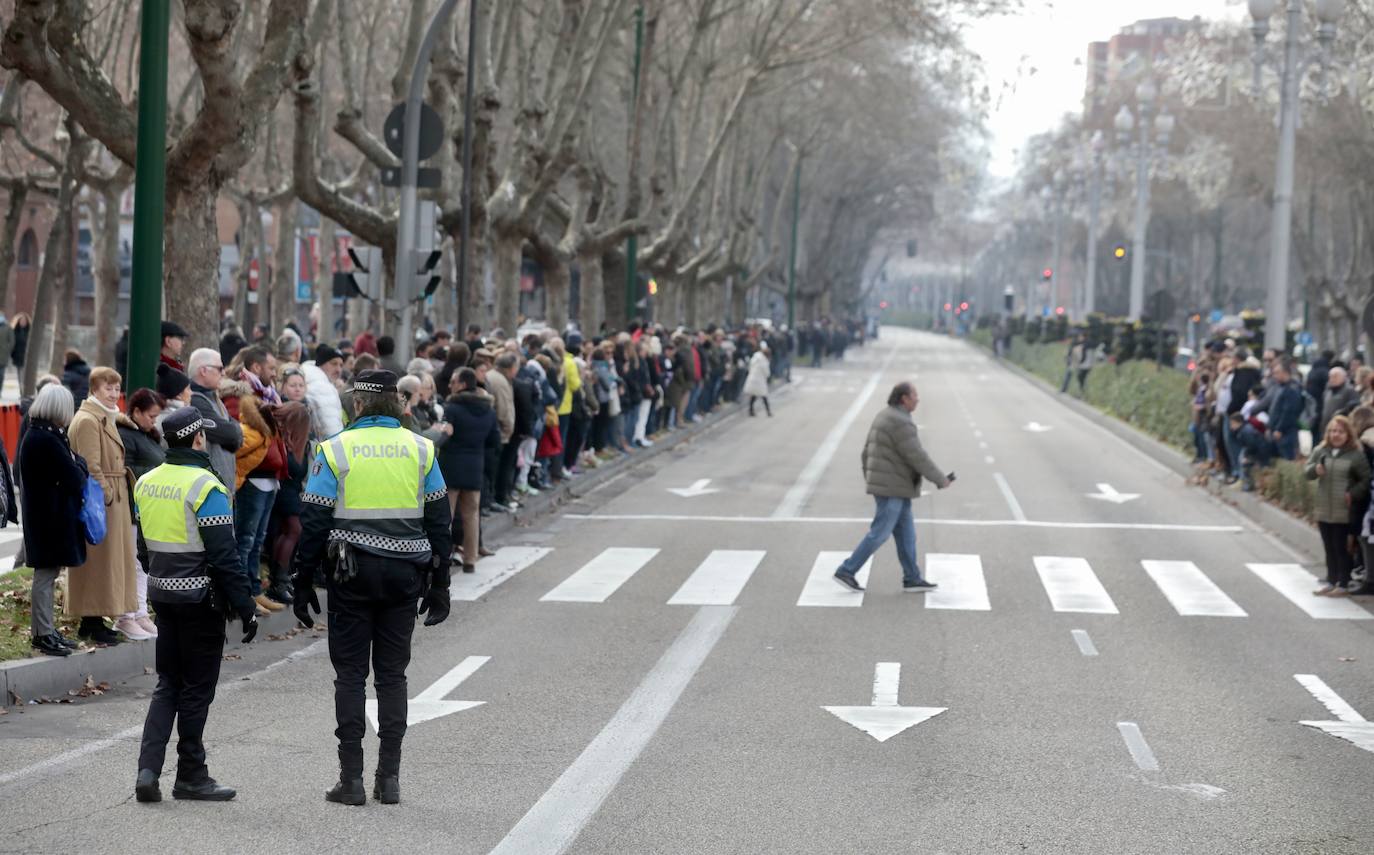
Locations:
{"points": [[93, 511]]}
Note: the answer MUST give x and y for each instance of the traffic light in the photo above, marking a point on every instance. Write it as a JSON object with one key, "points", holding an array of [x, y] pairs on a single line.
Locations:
{"points": [[1059, 310], [949, 306], [963, 307], [425, 271], [1119, 252], [653, 287], [1047, 274], [368, 274], [883, 304]]}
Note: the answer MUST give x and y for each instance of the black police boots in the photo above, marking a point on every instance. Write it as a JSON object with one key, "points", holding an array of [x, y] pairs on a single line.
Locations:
{"points": [[349, 791], [146, 788], [387, 789], [208, 790]]}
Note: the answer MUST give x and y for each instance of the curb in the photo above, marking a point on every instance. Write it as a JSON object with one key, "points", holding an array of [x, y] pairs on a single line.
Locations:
{"points": [[57, 679], [1296, 534]]}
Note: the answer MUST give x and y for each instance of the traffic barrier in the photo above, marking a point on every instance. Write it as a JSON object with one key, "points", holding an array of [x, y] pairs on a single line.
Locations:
{"points": [[10, 419]]}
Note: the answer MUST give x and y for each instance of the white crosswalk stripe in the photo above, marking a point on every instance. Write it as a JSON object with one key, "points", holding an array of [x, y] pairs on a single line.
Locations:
{"points": [[961, 582], [1072, 586], [719, 579], [601, 577], [1190, 591], [822, 590], [1297, 585], [493, 570]]}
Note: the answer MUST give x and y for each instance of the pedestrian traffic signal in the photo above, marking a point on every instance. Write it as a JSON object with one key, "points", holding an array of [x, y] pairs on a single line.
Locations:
{"points": [[1119, 252], [949, 306], [963, 307], [1047, 275]]}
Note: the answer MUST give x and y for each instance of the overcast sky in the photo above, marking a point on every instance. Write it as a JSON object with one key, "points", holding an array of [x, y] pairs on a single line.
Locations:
{"points": [[1035, 62]]}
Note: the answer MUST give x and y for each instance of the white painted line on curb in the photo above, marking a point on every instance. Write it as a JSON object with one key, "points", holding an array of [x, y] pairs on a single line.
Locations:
{"points": [[1135, 743], [800, 492], [1328, 698], [564, 810], [1013, 505], [1085, 642]]}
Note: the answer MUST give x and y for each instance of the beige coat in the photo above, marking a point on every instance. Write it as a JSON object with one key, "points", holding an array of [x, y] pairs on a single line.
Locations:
{"points": [[893, 459], [501, 390], [106, 585]]}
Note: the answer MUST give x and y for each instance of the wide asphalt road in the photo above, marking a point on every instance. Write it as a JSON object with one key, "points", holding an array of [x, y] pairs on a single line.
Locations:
{"points": [[1114, 663]]}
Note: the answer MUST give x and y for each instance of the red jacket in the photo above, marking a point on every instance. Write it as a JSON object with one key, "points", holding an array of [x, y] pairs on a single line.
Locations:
{"points": [[175, 363]]}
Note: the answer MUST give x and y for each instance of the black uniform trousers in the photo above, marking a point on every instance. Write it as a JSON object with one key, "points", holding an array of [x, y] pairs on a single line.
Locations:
{"points": [[190, 648], [371, 620]]}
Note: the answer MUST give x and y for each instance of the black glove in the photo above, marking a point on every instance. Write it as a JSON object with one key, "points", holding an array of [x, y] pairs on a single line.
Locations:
{"points": [[250, 630], [303, 599], [436, 602]]}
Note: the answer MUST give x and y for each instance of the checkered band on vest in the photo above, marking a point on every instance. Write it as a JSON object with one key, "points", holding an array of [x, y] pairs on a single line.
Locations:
{"points": [[436, 495], [322, 501], [376, 541], [204, 522], [188, 583]]}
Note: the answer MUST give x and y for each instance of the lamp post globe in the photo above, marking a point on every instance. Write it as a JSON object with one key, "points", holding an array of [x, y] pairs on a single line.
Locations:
{"points": [[1165, 126], [1262, 10], [1327, 11], [1125, 122], [1146, 93]]}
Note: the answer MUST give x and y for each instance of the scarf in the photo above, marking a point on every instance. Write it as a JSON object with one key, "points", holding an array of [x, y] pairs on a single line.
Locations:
{"points": [[262, 390]]}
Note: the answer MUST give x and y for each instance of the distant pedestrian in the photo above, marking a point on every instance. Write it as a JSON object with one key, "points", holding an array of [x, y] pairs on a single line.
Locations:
{"points": [[223, 434], [894, 465], [1341, 471], [19, 352], [173, 343], [76, 374], [6, 347], [756, 384]]}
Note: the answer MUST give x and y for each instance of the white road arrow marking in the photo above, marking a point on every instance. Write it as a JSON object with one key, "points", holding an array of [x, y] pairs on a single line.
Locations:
{"points": [[884, 719], [430, 703], [1351, 726], [1036, 427], [698, 488], [1108, 493]]}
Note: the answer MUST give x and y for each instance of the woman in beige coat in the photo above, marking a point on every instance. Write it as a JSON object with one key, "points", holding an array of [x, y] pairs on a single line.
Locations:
{"points": [[107, 584]]}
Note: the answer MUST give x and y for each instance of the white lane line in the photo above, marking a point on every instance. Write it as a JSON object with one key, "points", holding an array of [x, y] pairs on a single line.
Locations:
{"points": [[1013, 505], [989, 459], [58, 762], [719, 579], [1190, 591], [1096, 526], [600, 577], [800, 492], [1297, 585], [1139, 748], [887, 676], [1084, 642], [961, 581], [555, 821], [1328, 698], [1072, 586], [983, 446], [822, 590], [978, 434], [493, 570]]}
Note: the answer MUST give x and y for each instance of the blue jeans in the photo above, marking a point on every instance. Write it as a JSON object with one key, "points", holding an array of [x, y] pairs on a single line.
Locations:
{"points": [[252, 511], [1233, 448], [693, 398], [891, 519]]}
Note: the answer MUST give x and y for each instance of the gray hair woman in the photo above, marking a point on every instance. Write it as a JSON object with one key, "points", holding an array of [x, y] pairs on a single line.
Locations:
{"points": [[53, 481]]}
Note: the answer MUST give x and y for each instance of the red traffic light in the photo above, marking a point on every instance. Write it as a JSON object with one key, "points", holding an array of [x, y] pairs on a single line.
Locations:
{"points": [[1048, 274], [883, 304], [949, 306], [1059, 310], [963, 306]]}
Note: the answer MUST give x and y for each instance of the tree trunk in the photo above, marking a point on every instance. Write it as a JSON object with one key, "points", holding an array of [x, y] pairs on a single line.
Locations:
{"points": [[739, 296], [324, 280], [506, 248], [191, 276], [283, 294], [250, 239], [692, 297], [105, 241], [53, 293], [9, 237], [592, 307]]}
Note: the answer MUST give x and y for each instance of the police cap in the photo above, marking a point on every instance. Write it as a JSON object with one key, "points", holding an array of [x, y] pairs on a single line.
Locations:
{"points": [[376, 381], [181, 426]]}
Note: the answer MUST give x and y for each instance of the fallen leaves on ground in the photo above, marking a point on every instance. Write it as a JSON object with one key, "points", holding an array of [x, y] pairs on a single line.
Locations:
{"points": [[1347, 658], [232, 657]]}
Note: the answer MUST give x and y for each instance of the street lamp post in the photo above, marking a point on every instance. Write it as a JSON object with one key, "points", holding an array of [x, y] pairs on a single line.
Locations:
{"points": [[1145, 151], [1097, 145], [1296, 59]]}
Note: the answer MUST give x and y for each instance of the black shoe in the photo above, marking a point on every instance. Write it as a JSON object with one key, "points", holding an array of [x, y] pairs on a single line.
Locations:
{"points": [[279, 595], [920, 587], [50, 645], [95, 631], [387, 789], [469, 568], [848, 580], [349, 792], [203, 791], [65, 641], [146, 788]]}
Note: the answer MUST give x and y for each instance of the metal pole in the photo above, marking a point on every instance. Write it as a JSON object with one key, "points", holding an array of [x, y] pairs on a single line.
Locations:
{"points": [[410, 169], [632, 242], [1055, 280], [150, 197], [460, 292], [1142, 216], [1094, 210], [1276, 305], [792, 263]]}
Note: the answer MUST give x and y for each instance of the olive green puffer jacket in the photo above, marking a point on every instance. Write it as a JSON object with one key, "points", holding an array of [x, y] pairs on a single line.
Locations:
{"points": [[893, 459], [1347, 471]]}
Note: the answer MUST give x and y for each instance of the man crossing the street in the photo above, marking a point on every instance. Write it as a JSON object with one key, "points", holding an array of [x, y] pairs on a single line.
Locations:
{"points": [[894, 466], [375, 519], [186, 530]]}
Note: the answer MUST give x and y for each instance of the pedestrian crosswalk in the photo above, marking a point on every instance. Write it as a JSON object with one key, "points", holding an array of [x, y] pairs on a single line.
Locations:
{"points": [[1071, 585]]}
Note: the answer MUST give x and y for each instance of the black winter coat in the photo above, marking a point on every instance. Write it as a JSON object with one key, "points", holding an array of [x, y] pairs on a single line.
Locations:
{"points": [[53, 479], [288, 501], [142, 452], [76, 376], [527, 406], [21, 345], [475, 434]]}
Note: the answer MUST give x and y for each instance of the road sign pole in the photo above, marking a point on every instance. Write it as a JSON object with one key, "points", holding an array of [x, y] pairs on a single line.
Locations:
{"points": [[792, 263], [150, 191], [632, 242], [410, 170], [460, 293]]}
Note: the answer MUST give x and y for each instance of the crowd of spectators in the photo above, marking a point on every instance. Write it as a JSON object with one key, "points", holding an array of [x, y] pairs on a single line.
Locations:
{"points": [[511, 416]]}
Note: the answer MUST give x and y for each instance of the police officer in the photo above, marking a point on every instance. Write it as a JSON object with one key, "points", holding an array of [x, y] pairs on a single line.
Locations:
{"points": [[375, 519], [186, 537]]}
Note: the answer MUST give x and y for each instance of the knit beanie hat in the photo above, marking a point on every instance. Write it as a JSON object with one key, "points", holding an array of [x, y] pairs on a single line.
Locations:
{"points": [[170, 382]]}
